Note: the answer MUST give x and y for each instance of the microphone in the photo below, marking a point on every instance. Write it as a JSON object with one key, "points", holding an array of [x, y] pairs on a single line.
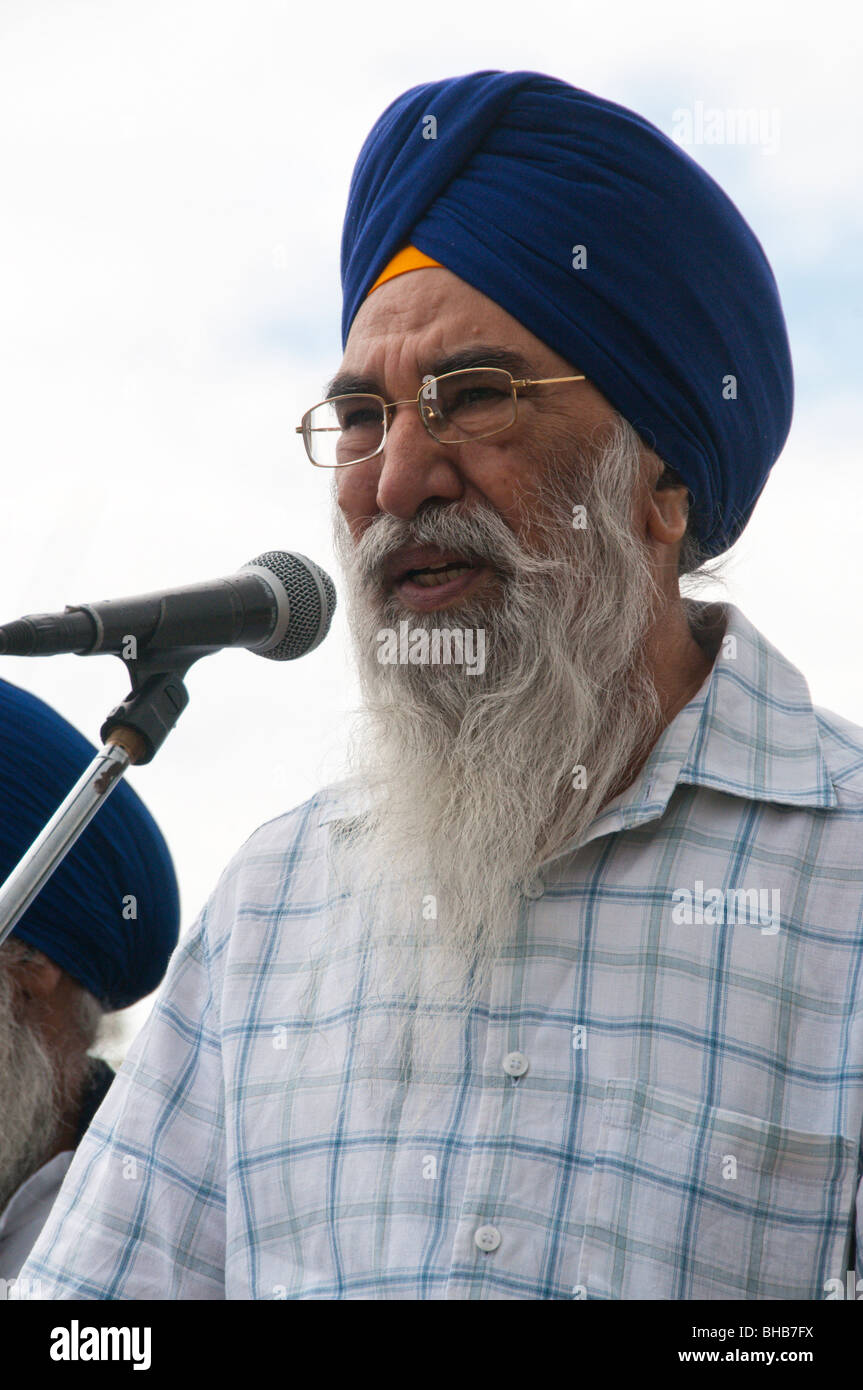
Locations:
{"points": [[279, 605]]}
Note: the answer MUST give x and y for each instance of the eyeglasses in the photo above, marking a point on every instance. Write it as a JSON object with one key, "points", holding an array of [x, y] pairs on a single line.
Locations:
{"points": [[471, 404]]}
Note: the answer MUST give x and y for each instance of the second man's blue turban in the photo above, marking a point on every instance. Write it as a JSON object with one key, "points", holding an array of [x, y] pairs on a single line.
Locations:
{"points": [[671, 310], [110, 914]]}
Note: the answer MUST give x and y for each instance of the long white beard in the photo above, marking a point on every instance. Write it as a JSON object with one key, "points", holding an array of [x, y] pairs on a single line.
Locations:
{"points": [[29, 1099], [470, 776]]}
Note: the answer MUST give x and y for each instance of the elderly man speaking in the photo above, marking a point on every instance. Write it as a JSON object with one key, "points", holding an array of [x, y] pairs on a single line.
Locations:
{"points": [[558, 994]]}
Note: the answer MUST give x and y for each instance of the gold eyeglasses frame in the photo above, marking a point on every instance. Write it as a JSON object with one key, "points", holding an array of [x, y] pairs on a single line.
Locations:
{"points": [[516, 385]]}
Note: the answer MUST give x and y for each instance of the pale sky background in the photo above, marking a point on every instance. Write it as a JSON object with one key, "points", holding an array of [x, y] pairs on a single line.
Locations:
{"points": [[173, 179]]}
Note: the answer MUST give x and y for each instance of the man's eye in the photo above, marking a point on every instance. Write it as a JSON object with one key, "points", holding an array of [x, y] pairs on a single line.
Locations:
{"points": [[359, 418], [475, 395]]}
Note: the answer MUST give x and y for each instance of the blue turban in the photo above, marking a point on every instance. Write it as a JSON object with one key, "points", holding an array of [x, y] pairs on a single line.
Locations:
{"points": [[120, 863], [675, 317]]}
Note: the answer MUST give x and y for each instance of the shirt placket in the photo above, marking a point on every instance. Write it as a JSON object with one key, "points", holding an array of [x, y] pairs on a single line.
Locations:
{"points": [[501, 1045]]}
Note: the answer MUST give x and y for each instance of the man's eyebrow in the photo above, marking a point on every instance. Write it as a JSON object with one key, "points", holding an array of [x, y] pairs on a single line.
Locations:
{"points": [[477, 355]]}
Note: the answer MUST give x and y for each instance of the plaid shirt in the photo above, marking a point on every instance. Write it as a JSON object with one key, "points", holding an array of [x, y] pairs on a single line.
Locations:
{"points": [[655, 1100]]}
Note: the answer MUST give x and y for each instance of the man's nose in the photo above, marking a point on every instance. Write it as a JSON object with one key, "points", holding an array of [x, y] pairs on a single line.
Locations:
{"points": [[415, 468]]}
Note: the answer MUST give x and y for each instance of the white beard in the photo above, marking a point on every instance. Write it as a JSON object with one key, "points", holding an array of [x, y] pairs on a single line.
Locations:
{"points": [[29, 1101], [470, 776]]}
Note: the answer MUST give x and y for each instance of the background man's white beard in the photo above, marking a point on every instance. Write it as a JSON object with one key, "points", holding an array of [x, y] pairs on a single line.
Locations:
{"points": [[29, 1101], [471, 776]]}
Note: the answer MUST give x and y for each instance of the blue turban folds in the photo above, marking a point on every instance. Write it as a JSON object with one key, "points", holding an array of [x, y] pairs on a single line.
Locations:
{"points": [[671, 309], [110, 914]]}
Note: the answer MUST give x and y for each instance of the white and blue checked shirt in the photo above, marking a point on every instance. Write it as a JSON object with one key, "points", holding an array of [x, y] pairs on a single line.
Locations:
{"points": [[651, 1103]]}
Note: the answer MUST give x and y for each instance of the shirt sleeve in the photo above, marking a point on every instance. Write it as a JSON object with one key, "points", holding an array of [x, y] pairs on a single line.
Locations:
{"points": [[141, 1213]]}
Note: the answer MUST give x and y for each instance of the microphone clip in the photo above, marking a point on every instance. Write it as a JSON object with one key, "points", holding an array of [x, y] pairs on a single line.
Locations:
{"points": [[154, 703]]}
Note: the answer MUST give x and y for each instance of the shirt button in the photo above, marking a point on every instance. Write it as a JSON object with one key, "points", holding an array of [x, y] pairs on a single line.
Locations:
{"points": [[515, 1064], [487, 1238], [534, 888]]}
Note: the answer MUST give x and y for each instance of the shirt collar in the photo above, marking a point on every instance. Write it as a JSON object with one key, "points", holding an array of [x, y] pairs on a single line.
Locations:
{"points": [[750, 731], [758, 734]]}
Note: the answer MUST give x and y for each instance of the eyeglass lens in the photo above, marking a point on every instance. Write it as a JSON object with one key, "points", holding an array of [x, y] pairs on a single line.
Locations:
{"points": [[460, 405]]}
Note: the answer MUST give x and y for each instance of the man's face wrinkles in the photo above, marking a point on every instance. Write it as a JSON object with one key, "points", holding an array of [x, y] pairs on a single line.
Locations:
{"points": [[416, 319]]}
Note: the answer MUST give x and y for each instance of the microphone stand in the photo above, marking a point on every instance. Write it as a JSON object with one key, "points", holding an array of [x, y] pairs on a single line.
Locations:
{"points": [[132, 733]]}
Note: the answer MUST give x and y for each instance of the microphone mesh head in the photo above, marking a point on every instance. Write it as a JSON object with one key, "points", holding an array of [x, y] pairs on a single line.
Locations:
{"points": [[312, 598]]}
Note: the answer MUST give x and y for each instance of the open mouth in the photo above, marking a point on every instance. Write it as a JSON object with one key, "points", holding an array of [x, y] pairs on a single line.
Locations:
{"points": [[425, 587], [427, 576], [434, 576]]}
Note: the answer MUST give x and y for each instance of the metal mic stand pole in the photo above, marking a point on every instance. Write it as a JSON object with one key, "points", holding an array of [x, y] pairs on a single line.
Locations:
{"points": [[132, 733]]}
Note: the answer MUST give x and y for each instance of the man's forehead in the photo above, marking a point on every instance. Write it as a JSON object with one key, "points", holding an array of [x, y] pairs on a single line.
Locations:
{"points": [[430, 321], [416, 298]]}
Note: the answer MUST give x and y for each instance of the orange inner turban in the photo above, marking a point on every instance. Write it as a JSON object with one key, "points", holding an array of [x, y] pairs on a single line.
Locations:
{"points": [[409, 258]]}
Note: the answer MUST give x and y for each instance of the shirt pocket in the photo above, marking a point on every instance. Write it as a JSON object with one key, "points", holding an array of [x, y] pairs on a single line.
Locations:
{"points": [[689, 1201]]}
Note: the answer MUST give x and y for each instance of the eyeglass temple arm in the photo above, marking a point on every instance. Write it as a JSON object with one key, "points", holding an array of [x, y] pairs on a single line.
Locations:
{"points": [[547, 380]]}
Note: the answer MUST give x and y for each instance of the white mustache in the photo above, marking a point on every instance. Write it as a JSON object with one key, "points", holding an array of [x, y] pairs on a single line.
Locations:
{"points": [[482, 537]]}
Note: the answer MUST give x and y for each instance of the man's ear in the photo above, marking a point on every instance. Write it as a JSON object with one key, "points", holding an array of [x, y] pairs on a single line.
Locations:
{"points": [[36, 976], [668, 513]]}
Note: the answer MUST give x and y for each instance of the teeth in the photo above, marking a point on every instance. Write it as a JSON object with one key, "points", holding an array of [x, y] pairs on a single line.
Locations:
{"points": [[430, 579]]}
